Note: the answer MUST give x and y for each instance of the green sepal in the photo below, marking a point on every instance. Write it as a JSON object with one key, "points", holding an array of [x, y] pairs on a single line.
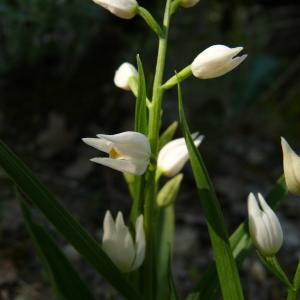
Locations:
{"points": [[168, 193]]}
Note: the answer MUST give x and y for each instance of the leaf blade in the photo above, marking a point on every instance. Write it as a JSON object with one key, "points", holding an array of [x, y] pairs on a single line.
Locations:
{"points": [[65, 280], [64, 222], [225, 263]]}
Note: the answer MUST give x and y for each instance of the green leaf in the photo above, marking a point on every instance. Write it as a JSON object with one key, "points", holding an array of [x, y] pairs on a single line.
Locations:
{"points": [[64, 222], [225, 263], [64, 279], [240, 241], [167, 135], [165, 228], [296, 281], [140, 125], [140, 117]]}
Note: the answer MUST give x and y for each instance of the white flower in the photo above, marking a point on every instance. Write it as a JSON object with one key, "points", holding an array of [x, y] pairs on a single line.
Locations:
{"points": [[125, 9], [264, 226], [118, 243], [188, 3], [216, 61], [124, 73], [173, 156], [128, 151], [291, 167]]}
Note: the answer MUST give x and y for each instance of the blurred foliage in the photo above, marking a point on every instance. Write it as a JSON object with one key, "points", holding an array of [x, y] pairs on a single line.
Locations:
{"points": [[33, 29], [71, 49]]}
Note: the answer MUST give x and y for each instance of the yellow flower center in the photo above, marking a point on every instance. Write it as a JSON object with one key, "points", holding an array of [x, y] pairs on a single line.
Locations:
{"points": [[113, 153]]}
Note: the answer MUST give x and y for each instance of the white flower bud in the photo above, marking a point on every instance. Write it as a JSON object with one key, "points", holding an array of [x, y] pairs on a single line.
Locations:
{"points": [[125, 9], [291, 167], [173, 156], [128, 151], [123, 75], [118, 243], [264, 226], [216, 61], [188, 3]]}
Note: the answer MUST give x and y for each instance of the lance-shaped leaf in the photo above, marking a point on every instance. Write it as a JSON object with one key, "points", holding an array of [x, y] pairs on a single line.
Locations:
{"points": [[64, 222], [64, 279], [225, 263]]}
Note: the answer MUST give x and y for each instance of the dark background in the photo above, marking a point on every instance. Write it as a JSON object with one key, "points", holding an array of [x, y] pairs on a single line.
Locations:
{"points": [[57, 62]]}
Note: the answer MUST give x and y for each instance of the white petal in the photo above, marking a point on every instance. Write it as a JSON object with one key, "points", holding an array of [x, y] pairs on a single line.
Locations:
{"points": [[273, 225], [173, 156], [99, 144], [123, 74], [291, 166], [125, 9], [121, 228], [253, 208], [130, 143], [108, 226], [264, 226], [140, 243], [216, 61], [129, 166]]}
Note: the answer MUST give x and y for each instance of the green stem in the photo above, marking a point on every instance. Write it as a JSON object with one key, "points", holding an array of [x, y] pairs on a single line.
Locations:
{"points": [[175, 5], [150, 208], [274, 267], [182, 75]]}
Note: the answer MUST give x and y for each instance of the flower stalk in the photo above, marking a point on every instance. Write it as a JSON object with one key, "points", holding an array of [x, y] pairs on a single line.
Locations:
{"points": [[153, 135]]}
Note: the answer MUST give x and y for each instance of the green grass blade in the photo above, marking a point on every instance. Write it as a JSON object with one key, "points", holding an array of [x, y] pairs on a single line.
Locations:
{"points": [[64, 222], [225, 263], [64, 279]]}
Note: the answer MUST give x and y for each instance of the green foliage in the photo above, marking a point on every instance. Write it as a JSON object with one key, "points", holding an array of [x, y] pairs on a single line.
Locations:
{"points": [[64, 279], [225, 263], [31, 30], [64, 222]]}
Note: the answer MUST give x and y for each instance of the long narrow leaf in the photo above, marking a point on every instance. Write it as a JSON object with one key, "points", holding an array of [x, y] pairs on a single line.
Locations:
{"points": [[208, 287], [140, 105], [68, 226], [225, 263], [140, 125], [65, 281], [165, 227]]}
